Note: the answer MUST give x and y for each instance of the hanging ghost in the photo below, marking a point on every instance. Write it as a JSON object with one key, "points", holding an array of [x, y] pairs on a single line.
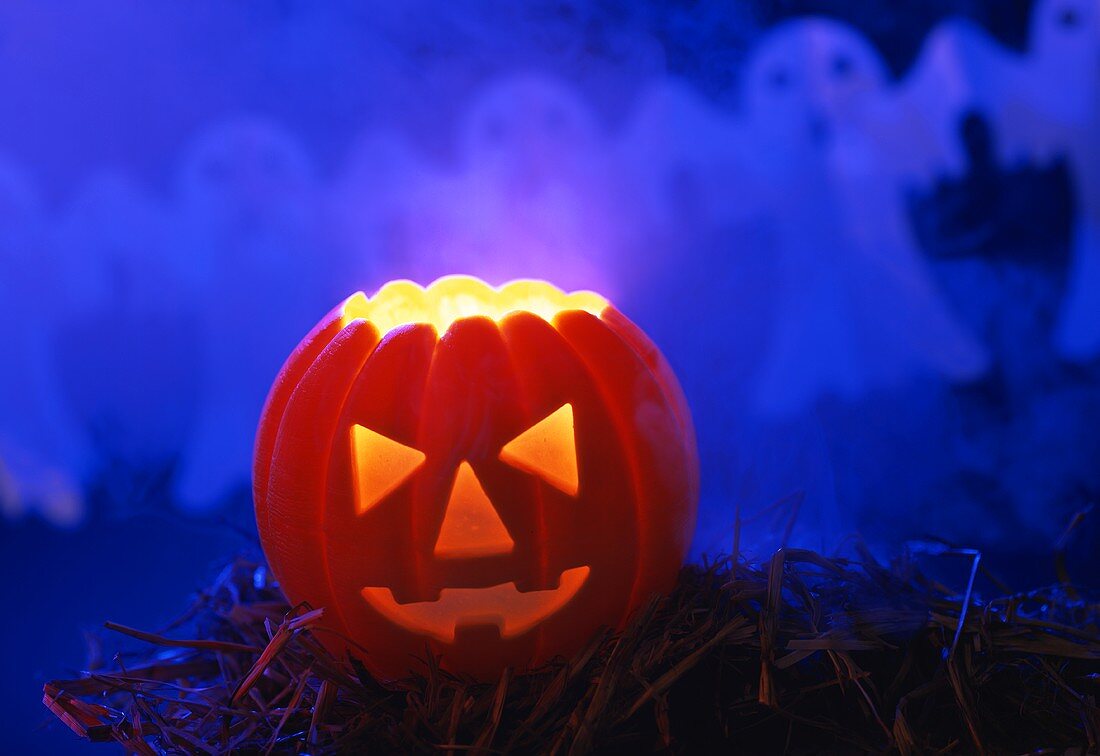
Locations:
{"points": [[1043, 106], [42, 458], [818, 260], [684, 161], [856, 308], [1052, 110], [534, 196], [859, 327], [245, 184], [1040, 112], [916, 123], [703, 229], [247, 207], [1053, 91], [128, 308], [374, 206]]}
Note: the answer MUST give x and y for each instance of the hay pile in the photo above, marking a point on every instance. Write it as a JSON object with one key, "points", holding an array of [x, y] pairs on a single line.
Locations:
{"points": [[801, 654]]}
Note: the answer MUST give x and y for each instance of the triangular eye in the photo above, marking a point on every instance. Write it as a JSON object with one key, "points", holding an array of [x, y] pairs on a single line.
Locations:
{"points": [[548, 449], [380, 466]]}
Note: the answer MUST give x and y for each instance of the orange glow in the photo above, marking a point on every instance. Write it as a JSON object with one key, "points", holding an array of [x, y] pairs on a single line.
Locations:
{"points": [[471, 525], [548, 449], [502, 606], [452, 298], [381, 465]]}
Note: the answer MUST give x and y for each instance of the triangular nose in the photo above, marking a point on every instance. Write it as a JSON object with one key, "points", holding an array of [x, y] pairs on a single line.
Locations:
{"points": [[471, 525]]}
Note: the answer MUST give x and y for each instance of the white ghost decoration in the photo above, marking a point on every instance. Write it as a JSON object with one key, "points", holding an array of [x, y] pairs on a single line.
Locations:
{"points": [[705, 211], [1053, 111], [685, 163], [127, 305], [1043, 105], [248, 209], [810, 267], [534, 196], [41, 455], [1054, 94], [915, 123], [374, 207], [247, 205], [856, 308], [806, 80], [246, 181]]}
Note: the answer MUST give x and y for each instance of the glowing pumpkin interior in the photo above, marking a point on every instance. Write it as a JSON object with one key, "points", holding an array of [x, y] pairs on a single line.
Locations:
{"points": [[452, 298], [471, 527]]}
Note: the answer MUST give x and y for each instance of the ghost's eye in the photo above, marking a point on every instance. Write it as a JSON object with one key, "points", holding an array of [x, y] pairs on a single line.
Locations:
{"points": [[779, 78], [1069, 18], [548, 449], [380, 466], [842, 66]]}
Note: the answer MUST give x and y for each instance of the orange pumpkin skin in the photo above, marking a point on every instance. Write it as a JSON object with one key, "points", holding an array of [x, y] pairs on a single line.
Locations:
{"points": [[544, 481]]}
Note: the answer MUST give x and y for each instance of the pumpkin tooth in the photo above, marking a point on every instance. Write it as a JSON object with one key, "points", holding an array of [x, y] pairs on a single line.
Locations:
{"points": [[477, 630], [531, 584], [534, 583], [411, 595]]}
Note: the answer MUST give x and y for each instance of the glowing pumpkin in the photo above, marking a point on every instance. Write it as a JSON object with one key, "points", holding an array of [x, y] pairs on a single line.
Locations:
{"points": [[494, 494]]}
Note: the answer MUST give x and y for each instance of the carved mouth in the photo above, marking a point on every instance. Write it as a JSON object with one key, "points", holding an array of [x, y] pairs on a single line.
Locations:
{"points": [[504, 606]]}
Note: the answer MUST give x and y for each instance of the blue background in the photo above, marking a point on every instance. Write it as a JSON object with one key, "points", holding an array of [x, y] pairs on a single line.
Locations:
{"points": [[164, 151]]}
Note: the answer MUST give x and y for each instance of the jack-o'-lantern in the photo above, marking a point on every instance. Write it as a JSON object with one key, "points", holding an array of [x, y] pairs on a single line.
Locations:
{"points": [[488, 475]]}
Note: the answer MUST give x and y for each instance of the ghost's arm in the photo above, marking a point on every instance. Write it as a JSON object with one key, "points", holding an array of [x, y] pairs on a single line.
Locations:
{"points": [[381, 173], [683, 158], [917, 123], [384, 187], [1027, 133]]}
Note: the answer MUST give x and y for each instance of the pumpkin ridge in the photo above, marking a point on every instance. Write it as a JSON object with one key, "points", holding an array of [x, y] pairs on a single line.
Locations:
{"points": [[652, 357], [618, 440], [648, 353], [422, 429], [354, 336], [540, 498], [324, 467], [278, 397], [601, 340], [389, 360], [602, 380]]}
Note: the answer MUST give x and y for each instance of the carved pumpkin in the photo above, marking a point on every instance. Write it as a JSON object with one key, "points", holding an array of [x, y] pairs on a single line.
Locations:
{"points": [[493, 495]]}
